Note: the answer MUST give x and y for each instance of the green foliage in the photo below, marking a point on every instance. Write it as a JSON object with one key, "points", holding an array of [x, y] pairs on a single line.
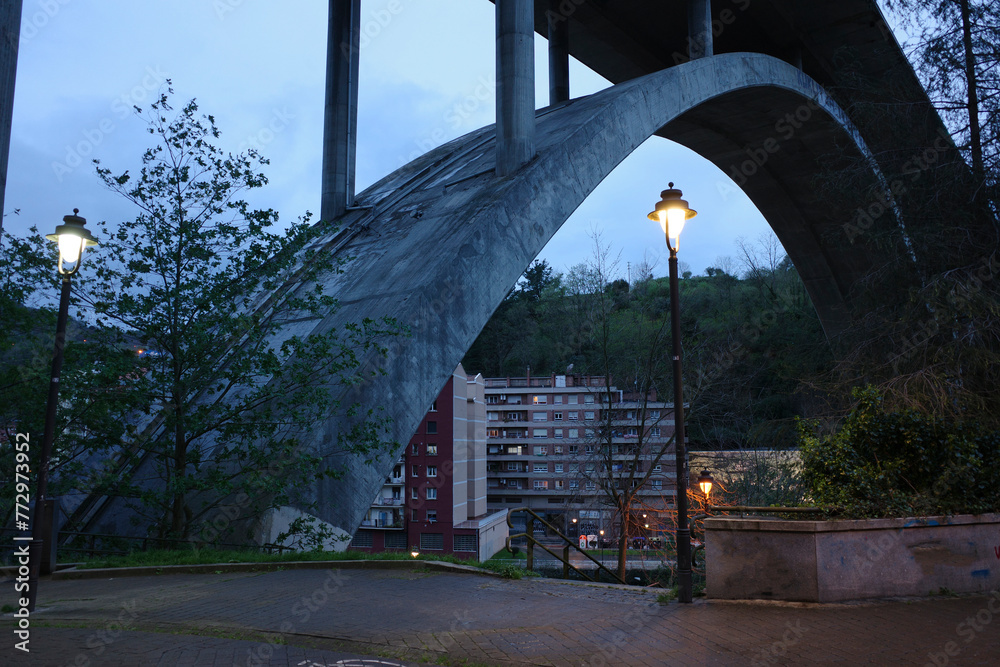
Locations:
{"points": [[210, 289], [904, 463]]}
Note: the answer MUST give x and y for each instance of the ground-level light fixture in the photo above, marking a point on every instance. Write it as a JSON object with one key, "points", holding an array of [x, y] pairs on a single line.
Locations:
{"points": [[414, 553], [671, 212], [72, 238]]}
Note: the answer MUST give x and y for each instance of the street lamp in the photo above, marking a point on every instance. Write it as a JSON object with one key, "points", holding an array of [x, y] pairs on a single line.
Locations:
{"points": [[705, 481], [72, 238], [671, 212]]}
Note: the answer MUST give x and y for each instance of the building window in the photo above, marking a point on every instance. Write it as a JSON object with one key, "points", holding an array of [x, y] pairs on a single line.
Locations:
{"points": [[465, 543], [657, 484], [539, 433], [574, 399], [589, 432], [655, 414], [432, 493], [364, 539], [493, 400], [657, 467], [591, 486], [432, 427], [434, 407], [414, 494], [432, 515], [541, 450], [655, 431], [514, 449], [574, 449], [431, 541], [559, 467], [540, 416], [559, 484], [415, 471], [538, 400], [415, 449], [558, 433], [413, 515], [493, 416], [574, 433], [630, 432], [540, 467], [541, 484], [590, 467], [573, 416], [630, 414], [589, 449], [589, 398], [574, 484], [557, 399], [432, 450], [588, 415], [395, 540], [512, 417], [558, 448], [432, 471], [557, 416], [493, 433]]}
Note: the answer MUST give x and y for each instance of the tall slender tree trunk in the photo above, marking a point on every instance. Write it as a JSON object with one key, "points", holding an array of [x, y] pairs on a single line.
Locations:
{"points": [[975, 133]]}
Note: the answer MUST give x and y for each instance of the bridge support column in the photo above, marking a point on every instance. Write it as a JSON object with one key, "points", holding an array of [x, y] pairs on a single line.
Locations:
{"points": [[340, 121], [700, 29], [10, 31], [558, 54], [515, 84]]}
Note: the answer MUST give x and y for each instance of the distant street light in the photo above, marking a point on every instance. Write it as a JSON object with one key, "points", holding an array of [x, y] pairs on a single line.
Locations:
{"points": [[705, 481], [72, 238], [671, 212]]}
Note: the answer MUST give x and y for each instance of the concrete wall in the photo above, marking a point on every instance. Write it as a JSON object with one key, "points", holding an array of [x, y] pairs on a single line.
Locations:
{"points": [[828, 561], [493, 532]]}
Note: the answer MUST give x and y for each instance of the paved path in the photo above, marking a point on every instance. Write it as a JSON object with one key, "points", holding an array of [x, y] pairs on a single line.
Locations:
{"points": [[361, 618]]}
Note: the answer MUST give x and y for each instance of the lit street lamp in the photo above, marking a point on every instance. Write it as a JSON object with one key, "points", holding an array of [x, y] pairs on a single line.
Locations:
{"points": [[705, 481], [72, 238], [672, 212]]}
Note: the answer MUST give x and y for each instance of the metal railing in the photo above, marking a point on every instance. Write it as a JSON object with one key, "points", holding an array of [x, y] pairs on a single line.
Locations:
{"points": [[564, 559]]}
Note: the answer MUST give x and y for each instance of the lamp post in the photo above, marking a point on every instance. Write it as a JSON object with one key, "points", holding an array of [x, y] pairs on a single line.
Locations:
{"points": [[671, 213], [705, 482], [72, 239]]}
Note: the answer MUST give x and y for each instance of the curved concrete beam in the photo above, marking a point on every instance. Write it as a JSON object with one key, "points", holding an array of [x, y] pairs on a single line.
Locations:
{"points": [[444, 239]]}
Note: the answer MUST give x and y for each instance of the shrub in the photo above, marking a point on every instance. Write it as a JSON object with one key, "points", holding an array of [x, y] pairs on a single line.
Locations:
{"points": [[884, 464]]}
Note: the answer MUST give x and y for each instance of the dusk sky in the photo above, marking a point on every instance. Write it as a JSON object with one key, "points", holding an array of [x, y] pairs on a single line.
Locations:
{"points": [[427, 76]]}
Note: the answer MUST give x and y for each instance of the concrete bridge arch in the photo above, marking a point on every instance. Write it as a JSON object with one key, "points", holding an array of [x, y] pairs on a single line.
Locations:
{"points": [[439, 243]]}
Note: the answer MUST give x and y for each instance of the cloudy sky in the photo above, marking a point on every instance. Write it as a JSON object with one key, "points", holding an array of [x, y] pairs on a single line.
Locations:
{"points": [[427, 76]]}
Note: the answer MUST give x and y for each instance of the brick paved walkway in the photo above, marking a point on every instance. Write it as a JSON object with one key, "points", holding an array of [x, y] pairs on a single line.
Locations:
{"points": [[318, 618]]}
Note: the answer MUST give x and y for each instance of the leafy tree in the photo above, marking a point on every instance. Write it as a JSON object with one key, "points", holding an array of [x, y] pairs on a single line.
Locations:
{"points": [[203, 283]]}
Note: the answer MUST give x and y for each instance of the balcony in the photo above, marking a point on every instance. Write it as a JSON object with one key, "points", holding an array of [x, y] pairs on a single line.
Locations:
{"points": [[387, 502], [380, 525], [394, 481]]}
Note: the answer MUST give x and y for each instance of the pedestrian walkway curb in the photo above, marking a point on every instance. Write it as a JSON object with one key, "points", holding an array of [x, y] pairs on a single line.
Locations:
{"points": [[219, 568]]}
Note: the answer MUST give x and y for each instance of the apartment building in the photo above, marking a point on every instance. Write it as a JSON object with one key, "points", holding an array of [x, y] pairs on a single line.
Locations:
{"points": [[434, 500], [548, 449]]}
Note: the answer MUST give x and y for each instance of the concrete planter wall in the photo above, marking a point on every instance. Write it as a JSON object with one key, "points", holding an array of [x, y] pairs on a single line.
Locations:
{"points": [[828, 561]]}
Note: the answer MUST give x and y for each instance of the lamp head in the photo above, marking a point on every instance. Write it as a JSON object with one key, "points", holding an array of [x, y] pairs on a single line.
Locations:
{"points": [[73, 238], [705, 481], [671, 212]]}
